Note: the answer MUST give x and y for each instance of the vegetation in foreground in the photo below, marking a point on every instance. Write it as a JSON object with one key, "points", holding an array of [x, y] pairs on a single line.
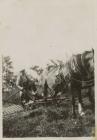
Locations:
{"points": [[50, 120]]}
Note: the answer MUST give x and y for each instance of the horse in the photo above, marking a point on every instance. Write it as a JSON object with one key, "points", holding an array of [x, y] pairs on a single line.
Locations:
{"points": [[81, 69], [53, 82], [78, 69]]}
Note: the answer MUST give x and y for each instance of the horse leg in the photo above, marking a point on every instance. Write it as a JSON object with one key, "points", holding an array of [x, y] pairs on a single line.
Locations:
{"points": [[45, 90], [91, 99], [22, 99], [72, 92], [55, 96], [80, 104], [55, 88], [73, 105]]}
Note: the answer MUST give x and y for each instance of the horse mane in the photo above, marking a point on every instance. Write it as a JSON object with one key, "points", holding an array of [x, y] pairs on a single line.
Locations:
{"points": [[88, 51]]}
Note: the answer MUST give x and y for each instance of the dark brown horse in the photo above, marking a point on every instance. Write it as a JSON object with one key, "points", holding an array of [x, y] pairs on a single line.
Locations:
{"points": [[78, 70], [81, 68]]}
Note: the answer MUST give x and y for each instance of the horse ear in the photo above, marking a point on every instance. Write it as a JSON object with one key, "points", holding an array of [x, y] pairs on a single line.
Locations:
{"points": [[93, 50]]}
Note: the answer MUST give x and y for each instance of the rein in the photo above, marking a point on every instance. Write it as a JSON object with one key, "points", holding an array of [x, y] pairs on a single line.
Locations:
{"points": [[82, 80]]}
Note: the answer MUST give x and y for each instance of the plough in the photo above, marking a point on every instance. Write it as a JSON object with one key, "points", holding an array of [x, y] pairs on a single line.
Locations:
{"points": [[31, 103]]}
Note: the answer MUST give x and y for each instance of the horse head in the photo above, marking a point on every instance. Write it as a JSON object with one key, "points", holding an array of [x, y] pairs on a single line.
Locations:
{"points": [[88, 61]]}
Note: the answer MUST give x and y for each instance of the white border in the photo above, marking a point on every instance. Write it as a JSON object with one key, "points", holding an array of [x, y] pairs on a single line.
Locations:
{"points": [[61, 138]]}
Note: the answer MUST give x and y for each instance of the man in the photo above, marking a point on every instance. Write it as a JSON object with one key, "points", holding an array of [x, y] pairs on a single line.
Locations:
{"points": [[26, 86]]}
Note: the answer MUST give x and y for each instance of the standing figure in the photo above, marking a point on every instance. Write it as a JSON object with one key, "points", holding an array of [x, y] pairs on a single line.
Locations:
{"points": [[27, 87]]}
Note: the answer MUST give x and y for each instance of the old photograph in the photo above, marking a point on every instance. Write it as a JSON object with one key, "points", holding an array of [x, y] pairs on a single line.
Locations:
{"points": [[48, 68]]}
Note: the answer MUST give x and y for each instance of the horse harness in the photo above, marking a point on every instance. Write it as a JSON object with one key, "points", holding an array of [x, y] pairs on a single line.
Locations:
{"points": [[78, 71]]}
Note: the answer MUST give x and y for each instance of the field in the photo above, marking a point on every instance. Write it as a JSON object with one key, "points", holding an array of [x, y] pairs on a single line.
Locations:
{"points": [[49, 120]]}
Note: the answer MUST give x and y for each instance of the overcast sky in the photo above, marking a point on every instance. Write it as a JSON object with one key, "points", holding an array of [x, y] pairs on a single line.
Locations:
{"points": [[34, 31]]}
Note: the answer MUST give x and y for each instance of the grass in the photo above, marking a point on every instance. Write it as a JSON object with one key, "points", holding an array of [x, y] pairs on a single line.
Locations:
{"points": [[50, 120]]}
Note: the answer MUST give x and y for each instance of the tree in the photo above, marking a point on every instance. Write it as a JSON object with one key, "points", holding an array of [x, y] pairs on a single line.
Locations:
{"points": [[7, 73]]}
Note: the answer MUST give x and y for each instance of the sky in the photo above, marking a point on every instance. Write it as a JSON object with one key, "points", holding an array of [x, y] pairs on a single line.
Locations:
{"points": [[34, 31]]}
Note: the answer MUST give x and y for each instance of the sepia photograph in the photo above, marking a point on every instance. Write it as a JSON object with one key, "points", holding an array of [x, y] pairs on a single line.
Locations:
{"points": [[48, 68]]}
